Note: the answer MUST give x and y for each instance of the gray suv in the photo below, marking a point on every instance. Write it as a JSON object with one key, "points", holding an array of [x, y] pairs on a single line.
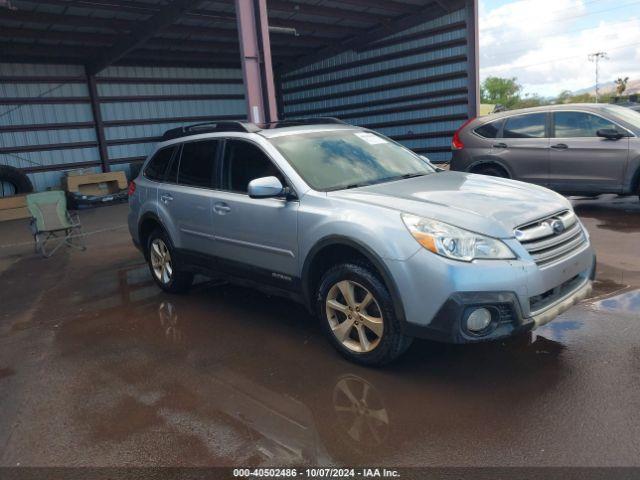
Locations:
{"points": [[581, 149], [375, 241]]}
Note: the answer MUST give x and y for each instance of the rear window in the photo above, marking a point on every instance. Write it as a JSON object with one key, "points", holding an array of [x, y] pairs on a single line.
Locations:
{"points": [[489, 130], [157, 166], [525, 126]]}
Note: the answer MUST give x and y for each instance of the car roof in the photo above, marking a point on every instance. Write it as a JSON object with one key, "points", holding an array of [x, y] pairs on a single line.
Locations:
{"points": [[593, 107]]}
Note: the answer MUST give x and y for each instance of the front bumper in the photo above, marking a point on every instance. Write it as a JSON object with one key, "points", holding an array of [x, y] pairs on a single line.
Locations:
{"points": [[438, 294]]}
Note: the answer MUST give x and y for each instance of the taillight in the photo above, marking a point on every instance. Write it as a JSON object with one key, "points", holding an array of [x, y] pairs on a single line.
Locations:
{"points": [[456, 143], [132, 188]]}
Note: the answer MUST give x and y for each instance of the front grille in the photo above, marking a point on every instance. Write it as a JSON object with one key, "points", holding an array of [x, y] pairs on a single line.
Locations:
{"points": [[552, 238]]}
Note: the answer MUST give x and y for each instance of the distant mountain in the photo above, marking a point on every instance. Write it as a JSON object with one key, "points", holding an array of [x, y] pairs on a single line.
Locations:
{"points": [[633, 86]]}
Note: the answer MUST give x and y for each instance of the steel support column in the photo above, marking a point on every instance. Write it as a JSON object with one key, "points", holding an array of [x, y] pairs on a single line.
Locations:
{"points": [[97, 121], [255, 52], [473, 75]]}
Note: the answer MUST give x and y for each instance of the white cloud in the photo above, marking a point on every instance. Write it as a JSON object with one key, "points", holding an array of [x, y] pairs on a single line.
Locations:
{"points": [[546, 46]]}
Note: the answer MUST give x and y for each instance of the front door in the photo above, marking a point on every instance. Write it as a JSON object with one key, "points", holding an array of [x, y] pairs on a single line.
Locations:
{"points": [[580, 161], [259, 236]]}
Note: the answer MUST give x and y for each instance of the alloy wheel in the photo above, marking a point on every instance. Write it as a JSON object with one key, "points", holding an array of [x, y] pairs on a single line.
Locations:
{"points": [[354, 316], [161, 261]]}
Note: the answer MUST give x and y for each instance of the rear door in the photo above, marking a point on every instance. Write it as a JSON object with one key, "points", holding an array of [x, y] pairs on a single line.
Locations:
{"points": [[255, 235], [524, 147], [188, 196], [580, 161]]}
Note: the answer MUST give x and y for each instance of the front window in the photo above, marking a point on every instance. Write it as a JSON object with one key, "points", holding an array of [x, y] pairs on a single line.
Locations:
{"points": [[333, 160], [579, 124]]}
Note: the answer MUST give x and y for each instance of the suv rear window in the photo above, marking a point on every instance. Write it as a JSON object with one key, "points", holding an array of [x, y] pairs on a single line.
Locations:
{"points": [[489, 130], [157, 166], [525, 126], [197, 163]]}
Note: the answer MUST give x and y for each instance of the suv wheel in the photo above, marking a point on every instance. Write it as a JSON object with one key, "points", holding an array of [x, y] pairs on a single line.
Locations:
{"points": [[163, 266], [357, 314]]}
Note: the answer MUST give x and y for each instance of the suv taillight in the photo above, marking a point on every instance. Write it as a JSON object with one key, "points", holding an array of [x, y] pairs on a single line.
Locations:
{"points": [[456, 143], [132, 188]]}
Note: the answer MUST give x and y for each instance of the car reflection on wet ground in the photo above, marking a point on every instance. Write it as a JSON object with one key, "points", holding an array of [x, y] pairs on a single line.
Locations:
{"points": [[98, 367]]}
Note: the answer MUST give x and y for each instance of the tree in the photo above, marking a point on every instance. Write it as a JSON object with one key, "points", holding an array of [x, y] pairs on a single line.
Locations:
{"points": [[564, 96], [503, 91], [621, 85]]}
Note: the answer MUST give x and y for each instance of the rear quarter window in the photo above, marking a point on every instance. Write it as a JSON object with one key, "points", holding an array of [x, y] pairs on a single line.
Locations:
{"points": [[489, 130], [157, 166]]}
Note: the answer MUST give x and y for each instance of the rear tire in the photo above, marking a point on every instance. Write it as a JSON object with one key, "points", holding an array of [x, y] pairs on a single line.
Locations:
{"points": [[163, 264], [491, 171], [360, 323], [18, 180]]}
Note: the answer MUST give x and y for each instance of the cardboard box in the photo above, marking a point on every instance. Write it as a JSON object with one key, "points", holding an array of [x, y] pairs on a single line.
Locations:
{"points": [[13, 208], [96, 183]]}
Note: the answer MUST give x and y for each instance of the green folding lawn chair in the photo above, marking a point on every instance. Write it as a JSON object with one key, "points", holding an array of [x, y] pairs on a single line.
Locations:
{"points": [[52, 224]]}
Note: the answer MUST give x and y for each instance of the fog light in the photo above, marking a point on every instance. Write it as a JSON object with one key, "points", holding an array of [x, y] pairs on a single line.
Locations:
{"points": [[478, 320]]}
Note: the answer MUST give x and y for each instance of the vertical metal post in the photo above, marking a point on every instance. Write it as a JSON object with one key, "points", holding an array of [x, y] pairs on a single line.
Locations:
{"points": [[473, 74], [97, 121], [255, 50]]}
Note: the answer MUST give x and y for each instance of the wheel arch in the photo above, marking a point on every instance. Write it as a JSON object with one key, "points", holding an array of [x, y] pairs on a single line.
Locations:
{"points": [[149, 221], [481, 162], [322, 255]]}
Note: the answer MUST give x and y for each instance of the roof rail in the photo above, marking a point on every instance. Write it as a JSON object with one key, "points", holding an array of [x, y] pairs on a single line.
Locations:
{"points": [[208, 127], [303, 121], [238, 126]]}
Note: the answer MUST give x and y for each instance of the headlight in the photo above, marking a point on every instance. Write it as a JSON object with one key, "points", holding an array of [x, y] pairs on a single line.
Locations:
{"points": [[454, 242]]}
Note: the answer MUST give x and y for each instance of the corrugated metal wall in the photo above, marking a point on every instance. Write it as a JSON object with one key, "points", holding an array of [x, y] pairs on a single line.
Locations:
{"points": [[45, 120], [47, 125], [411, 86]]}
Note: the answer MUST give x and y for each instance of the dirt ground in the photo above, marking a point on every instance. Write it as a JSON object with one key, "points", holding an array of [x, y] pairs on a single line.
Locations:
{"points": [[98, 367]]}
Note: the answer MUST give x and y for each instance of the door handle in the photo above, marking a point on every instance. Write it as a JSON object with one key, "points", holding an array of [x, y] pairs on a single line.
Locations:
{"points": [[500, 145], [560, 146], [165, 198], [221, 208]]}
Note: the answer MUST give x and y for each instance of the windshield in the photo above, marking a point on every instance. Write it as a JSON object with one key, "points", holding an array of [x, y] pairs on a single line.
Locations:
{"points": [[333, 160], [630, 116]]}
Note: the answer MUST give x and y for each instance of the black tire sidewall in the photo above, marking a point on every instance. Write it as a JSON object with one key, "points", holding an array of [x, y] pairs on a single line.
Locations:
{"points": [[362, 274], [492, 171], [19, 180]]}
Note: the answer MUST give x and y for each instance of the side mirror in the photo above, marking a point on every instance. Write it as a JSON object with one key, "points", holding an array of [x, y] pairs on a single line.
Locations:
{"points": [[435, 167], [609, 133], [266, 187]]}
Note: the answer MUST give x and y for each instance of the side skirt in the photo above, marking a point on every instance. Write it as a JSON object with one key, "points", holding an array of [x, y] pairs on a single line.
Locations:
{"points": [[243, 274]]}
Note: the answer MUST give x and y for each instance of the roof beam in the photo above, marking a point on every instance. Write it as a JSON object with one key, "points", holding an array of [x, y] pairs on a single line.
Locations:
{"points": [[388, 5], [115, 24], [147, 29]]}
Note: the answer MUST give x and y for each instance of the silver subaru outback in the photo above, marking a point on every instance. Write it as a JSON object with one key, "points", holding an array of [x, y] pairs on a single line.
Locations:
{"points": [[382, 246]]}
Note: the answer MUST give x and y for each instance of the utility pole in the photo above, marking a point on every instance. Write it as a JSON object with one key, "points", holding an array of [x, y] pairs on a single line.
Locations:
{"points": [[595, 57]]}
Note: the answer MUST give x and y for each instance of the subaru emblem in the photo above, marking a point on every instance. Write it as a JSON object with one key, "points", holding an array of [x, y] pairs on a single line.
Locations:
{"points": [[557, 226]]}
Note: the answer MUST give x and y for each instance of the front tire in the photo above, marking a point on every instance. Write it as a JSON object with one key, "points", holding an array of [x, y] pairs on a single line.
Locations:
{"points": [[163, 264], [358, 315]]}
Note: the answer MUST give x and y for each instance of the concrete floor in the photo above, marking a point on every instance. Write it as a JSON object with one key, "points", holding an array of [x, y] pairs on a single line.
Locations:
{"points": [[98, 367]]}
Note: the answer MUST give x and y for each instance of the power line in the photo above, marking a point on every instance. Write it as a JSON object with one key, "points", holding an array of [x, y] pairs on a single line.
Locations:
{"points": [[565, 58], [501, 27], [565, 32]]}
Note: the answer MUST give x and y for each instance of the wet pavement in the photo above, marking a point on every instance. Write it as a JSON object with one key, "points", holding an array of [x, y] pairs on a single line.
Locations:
{"points": [[98, 367]]}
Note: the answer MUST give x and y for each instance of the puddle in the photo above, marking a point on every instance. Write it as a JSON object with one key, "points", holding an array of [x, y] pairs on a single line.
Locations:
{"points": [[627, 303]]}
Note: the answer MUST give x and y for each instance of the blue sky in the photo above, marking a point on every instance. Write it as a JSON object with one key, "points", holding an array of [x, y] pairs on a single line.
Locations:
{"points": [[545, 43]]}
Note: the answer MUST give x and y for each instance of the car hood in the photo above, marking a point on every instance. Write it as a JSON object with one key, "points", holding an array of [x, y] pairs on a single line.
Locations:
{"points": [[488, 205]]}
